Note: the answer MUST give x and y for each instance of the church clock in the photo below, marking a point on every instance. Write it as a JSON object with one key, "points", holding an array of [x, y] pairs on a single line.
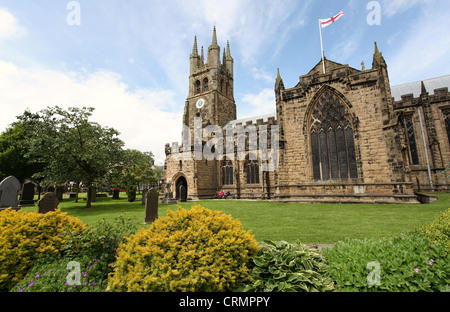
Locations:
{"points": [[200, 103]]}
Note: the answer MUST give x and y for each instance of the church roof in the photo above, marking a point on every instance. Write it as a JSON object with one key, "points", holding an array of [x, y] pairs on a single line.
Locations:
{"points": [[415, 88]]}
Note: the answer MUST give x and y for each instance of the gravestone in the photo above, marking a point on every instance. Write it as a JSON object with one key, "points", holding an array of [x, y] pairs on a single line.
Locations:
{"points": [[168, 200], [47, 203], [144, 194], [59, 192], [151, 206], [9, 191], [27, 197]]}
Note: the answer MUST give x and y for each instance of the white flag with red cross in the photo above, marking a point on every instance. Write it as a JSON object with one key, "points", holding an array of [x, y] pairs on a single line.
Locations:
{"points": [[328, 21]]}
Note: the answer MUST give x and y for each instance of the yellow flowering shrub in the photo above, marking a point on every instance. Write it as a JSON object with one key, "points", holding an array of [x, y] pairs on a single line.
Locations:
{"points": [[189, 250], [25, 236]]}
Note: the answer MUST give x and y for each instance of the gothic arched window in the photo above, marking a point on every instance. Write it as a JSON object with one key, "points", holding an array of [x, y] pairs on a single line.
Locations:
{"points": [[198, 87], [410, 136], [332, 140], [252, 169], [227, 172], [447, 123], [205, 85]]}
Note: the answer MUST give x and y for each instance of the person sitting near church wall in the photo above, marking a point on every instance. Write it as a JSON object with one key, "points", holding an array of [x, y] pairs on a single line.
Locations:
{"points": [[221, 194], [227, 194]]}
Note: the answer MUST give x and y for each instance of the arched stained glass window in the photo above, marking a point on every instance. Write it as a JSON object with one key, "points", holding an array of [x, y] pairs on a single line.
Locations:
{"points": [[332, 140]]}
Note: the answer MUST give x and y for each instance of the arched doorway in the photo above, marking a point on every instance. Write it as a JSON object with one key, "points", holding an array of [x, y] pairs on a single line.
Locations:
{"points": [[181, 189]]}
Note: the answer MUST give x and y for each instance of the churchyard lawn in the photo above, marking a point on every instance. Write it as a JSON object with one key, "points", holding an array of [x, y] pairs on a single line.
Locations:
{"points": [[308, 223]]}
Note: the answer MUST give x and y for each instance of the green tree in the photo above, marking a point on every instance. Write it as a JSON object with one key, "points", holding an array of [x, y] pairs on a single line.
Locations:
{"points": [[74, 148], [14, 149], [136, 170]]}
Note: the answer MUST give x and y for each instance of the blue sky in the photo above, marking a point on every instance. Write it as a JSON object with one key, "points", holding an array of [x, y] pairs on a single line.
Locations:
{"points": [[130, 59]]}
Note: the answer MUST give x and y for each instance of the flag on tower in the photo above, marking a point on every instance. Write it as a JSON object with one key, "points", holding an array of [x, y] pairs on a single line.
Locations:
{"points": [[322, 24], [328, 21]]}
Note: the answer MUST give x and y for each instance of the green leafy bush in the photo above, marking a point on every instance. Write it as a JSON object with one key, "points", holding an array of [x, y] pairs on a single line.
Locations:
{"points": [[189, 250], [284, 267], [438, 231], [102, 240], [94, 249], [27, 236], [57, 275], [408, 263]]}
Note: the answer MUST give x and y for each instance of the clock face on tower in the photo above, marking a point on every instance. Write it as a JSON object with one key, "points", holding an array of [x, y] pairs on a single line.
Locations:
{"points": [[200, 103]]}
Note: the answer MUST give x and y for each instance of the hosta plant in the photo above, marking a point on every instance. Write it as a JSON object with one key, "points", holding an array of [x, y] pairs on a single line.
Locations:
{"points": [[284, 267]]}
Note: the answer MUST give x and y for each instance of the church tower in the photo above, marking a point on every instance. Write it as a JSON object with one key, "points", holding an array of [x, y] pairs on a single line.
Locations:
{"points": [[211, 94]]}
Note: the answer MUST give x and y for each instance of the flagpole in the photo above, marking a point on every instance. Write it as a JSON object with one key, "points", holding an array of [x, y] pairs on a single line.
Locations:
{"points": [[321, 46]]}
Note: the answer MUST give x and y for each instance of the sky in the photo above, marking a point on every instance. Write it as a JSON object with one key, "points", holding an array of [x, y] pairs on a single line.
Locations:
{"points": [[130, 59]]}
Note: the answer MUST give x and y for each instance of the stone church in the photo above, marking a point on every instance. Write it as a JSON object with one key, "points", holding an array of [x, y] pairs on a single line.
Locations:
{"points": [[345, 135]]}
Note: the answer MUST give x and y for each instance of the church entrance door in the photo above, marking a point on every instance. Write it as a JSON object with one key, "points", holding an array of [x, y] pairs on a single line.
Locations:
{"points": [[181, 189]]}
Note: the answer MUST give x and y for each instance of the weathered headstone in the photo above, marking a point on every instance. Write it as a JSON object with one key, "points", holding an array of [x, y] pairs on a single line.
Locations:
{"points": [[151, 206], [9, 191], [59, 192], [27, 196], [47, 203], [144, 194]]}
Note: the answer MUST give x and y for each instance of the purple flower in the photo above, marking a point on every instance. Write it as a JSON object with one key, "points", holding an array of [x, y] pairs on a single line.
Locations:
{"points": [[90, 267], [94, 283], [84, 273], [21, 289], [37, 276], [85, 283], [416, 270], [31, 284], [65, 283]]}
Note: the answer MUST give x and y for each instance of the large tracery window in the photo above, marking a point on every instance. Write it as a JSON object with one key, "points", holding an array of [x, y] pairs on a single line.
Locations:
{"points": [[227, 173], [332, 140]]}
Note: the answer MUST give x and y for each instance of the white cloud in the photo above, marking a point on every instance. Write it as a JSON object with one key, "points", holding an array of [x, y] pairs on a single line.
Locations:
{"points": [[261, 103], [391, 8], [424, 49], [261, 74], [251, 26], [9, 26], [139, 115]]}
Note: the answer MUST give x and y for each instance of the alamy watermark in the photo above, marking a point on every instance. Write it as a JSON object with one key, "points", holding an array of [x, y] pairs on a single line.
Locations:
{"points": [[74, 276], [226, 145], [74, 16], [374, 277], [374, 16]]}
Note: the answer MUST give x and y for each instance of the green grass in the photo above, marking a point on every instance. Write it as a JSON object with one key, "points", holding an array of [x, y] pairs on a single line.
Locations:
{"points": [[309, 223]]}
